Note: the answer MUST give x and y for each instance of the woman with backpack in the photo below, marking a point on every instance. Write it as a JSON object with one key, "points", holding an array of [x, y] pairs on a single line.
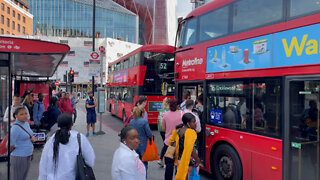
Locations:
{"points": [[186, 147]]}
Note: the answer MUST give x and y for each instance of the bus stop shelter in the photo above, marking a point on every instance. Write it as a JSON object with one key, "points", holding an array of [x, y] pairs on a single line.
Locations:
{"points": [[26, 59]]}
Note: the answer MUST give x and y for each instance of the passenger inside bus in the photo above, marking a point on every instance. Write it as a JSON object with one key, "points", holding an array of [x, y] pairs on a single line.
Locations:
{"points": [[309, 122], [242, 111]]}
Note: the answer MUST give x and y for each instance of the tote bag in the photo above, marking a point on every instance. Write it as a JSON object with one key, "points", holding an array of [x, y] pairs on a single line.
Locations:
{"points": [[84, 172], [194, 175], [151, 152]]}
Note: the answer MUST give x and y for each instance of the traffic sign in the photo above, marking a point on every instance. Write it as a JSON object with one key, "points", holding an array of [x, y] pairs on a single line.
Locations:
{"points": [[102, 49], [94, 55], [57, 83]]}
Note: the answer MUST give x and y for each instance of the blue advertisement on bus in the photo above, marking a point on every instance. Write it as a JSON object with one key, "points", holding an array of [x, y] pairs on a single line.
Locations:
{"points": [[287, 48], [120, 77]]}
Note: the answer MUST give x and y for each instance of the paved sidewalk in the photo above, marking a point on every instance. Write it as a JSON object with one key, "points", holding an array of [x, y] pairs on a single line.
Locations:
{"points": [[104, 147]]}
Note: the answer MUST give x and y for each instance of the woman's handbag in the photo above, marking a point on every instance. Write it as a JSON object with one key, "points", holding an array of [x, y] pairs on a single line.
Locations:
{"points": [[171, 150], [84, 172], [194, 175], [151, 152]]}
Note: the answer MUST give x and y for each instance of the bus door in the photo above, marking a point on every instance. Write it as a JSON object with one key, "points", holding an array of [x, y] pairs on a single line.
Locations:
{"points": [[302, 123], [117, 99], [195, 90]]}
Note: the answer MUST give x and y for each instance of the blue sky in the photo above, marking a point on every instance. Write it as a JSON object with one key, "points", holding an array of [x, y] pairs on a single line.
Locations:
{"points": [[184, 7]]}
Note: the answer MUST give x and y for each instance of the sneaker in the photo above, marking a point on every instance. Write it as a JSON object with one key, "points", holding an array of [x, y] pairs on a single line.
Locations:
{"points": [[94, 133], [161, 164], [87, 134]]}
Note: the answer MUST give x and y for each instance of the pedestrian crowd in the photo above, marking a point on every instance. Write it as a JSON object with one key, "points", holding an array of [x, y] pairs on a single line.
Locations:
{"points": [[178, 124]]}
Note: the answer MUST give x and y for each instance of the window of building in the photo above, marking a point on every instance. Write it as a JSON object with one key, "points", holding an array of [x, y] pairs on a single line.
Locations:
{"points": [[2, 19], [8, 22], [298, 8], [23, 19], [13, 13], [23, 30], [247, 105], [214, 24], [13, 25], [18, 27], [2, 6], [251, 13], [19, 16], [8, 32], [8, 10], [2, 31]]}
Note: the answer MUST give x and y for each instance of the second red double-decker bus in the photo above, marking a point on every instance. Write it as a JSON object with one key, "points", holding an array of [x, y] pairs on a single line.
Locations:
{"points": [[147, 71], [257, 64]]}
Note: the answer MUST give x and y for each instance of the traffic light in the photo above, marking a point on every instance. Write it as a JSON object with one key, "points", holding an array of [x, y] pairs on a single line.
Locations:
{"points": [[71, 75]]}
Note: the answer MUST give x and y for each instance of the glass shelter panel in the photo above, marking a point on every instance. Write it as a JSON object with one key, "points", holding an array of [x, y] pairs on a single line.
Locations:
{"points": [[4, 101]]}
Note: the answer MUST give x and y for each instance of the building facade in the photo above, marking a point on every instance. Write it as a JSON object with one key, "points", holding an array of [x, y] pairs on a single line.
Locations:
{"points": [[157, 19], [74, 18], [80, 60], [15, 18]]}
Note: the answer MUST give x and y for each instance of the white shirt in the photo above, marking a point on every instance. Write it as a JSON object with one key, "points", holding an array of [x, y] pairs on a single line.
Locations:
{"points": [[126, 165], [66, 161], [198, 124]]}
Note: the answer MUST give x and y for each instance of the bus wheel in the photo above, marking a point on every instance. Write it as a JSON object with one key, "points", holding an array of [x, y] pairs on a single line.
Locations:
{"points": [[123, 115], [226, 163]]}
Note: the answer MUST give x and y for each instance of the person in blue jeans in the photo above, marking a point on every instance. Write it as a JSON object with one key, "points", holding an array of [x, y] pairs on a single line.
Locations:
{"points": [[91, 113], [143, 128]]}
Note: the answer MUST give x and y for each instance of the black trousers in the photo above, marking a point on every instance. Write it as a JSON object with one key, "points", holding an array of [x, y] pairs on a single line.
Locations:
{"points": [[164, 148], [168, 175], [74, 115]]}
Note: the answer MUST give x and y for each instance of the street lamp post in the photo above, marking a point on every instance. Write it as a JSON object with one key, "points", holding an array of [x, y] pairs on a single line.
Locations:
{"points": [[93, 36]]}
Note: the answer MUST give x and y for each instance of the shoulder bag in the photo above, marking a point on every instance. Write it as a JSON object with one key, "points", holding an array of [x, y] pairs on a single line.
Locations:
{"points": [[84, 172]]}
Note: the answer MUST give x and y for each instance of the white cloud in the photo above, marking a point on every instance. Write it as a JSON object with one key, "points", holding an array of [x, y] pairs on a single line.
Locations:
{"points": [[184, 7]]}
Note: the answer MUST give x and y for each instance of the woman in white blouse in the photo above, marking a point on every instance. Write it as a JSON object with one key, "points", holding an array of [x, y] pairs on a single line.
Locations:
{"points": [[59, 156], [126, 164]]}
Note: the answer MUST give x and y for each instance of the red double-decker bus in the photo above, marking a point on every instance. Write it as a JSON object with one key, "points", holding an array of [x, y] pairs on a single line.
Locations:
{"points": [[257, 64], [147, 71]]}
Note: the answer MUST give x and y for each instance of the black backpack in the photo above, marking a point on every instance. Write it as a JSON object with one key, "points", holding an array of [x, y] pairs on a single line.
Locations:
{"points": [[197, 112]]}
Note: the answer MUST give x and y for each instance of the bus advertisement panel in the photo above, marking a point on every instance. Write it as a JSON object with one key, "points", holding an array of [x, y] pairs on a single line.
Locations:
{"points": [[259, 76], [147, 71]]}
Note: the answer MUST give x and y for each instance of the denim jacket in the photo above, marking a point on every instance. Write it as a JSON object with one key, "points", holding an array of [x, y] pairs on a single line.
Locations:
{"points": [[143, 128]]}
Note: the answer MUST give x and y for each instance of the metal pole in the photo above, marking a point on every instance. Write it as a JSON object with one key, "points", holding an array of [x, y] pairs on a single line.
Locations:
{"points": [[101, 69], [66, 81], [94, 25], [9, 117], [93, 35], [92, 85]]}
